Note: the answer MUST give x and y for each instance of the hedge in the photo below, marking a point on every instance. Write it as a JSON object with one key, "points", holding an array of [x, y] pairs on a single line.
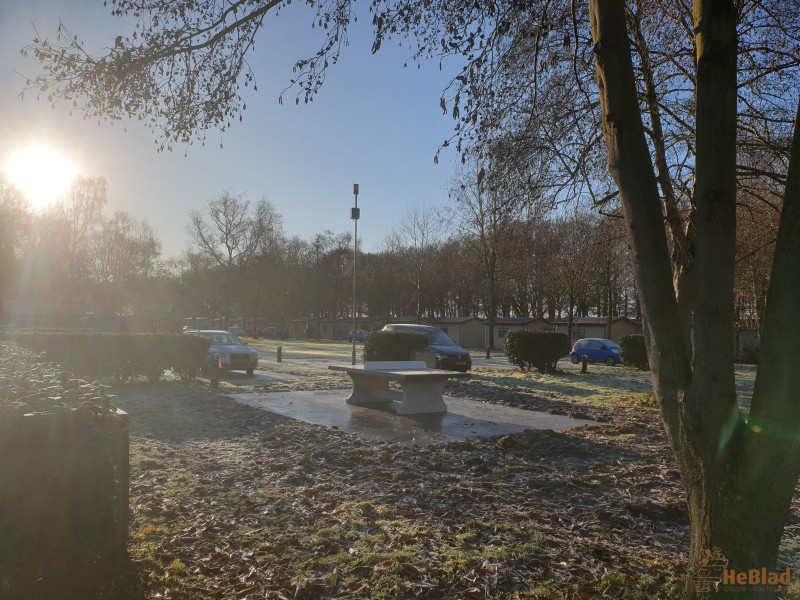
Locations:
{"points": [[119, 355], [63, 478], [539, 349], [393, 345], [633, 352]]}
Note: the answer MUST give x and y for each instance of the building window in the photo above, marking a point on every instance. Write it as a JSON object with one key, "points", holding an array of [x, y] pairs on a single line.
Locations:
{"points": [[502, 331], [578, 333]]}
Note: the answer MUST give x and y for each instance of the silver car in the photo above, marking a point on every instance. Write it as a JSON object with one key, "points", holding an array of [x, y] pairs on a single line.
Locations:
{"points": [[227, 352]]}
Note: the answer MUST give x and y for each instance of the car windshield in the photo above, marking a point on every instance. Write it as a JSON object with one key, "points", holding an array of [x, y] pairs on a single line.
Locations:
{"points": [[223, 338], [439, 338]]}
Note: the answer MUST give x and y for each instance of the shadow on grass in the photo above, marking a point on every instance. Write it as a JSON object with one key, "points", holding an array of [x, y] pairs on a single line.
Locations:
{"points": [[61, 579], [561, 387], [591, 384], [174, 412]]}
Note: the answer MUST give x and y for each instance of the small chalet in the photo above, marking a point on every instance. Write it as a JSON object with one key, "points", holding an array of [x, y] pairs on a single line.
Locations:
{"points": [[599, 327], [464, 331], [502, 325]]}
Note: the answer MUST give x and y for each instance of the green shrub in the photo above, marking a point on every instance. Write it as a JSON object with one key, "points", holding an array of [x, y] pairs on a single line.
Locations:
{"points": [[539, 349], [186, 354], [31, 385], [393, 345], [633, 352], [63, 476]]}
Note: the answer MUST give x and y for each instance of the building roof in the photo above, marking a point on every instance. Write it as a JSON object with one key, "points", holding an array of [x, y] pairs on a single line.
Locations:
{"points": [[514, 320], [449, 319], [594, 321], [336, 319]]}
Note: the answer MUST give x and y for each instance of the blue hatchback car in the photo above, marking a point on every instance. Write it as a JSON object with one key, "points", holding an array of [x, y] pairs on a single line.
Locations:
{"points": [[596, 350]]}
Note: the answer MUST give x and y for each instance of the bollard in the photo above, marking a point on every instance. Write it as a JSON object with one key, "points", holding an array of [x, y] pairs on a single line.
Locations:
{"points": [[279, 353], [488, 352], [584, 364]]}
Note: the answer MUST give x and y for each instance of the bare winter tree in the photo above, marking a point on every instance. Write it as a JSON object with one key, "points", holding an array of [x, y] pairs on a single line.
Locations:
{"points": [[419, 235], [123, 257], [259, 273], [572, 245], [78, 212], [740, 473], [485, 216], [230, 234], [13, 223], [74, 218]]}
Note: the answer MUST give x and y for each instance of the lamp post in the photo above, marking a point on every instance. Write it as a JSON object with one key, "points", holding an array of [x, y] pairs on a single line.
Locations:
{"points": [[355, 213]]}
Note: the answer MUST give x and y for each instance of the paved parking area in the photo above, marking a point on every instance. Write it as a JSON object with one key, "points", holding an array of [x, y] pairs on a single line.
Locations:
{"points": [[464, 418]]}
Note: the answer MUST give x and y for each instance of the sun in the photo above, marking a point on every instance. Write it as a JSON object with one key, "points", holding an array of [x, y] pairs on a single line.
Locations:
{"points": [[41, 174]]}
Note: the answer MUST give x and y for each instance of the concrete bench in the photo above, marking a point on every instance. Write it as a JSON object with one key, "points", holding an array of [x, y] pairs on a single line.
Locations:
{"points": [[421, 388]]}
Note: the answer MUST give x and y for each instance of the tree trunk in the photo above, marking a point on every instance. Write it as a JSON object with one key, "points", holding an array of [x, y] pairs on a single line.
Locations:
{"points": [[570, 318], [256, 307], [739, 477], [680, 240], [491, 265]]}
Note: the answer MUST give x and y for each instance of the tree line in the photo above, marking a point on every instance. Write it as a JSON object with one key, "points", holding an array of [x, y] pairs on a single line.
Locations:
{"points": [[477, 256]]}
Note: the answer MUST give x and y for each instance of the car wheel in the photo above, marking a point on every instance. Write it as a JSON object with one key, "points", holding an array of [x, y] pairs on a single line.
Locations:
{"points": [[249, 371], [610, 361], [575, 359]]}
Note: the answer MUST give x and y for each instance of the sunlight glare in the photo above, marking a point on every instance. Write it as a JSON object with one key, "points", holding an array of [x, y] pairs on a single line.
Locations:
{"points": [[41, 174]]}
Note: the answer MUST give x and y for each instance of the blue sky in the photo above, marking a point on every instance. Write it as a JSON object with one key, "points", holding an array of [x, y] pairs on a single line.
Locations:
{"points": [[374, 123]]}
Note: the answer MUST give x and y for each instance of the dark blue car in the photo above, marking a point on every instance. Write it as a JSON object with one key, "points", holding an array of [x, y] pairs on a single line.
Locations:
{"points": [[596, 350], [449, 355]]}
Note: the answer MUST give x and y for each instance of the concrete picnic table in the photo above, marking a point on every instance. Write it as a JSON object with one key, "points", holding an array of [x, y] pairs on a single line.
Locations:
{"points": [[421, 388]]}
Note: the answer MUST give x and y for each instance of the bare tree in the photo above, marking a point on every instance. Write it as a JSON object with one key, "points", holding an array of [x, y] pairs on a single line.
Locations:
{"points": [[229, 234], [74, 218], [417, 238], [78, 212], [485, 219], [736, 470], [259, 273], [13, 223], [123, 255]]}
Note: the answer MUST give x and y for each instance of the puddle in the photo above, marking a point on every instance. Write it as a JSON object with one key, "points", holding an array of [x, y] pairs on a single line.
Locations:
{"points": [[464, 418]]}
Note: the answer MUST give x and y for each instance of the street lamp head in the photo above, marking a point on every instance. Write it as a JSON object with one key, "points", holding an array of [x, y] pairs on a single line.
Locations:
{"points": [[355, 189]]}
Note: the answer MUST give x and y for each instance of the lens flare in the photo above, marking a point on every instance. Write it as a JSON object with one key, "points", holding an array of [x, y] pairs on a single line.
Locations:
{"points": [[41, 174]]}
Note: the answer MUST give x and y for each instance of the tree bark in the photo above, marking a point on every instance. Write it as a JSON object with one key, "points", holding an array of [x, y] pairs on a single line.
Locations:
{"points": [[679, 237], [739, 476], [490, 263]]}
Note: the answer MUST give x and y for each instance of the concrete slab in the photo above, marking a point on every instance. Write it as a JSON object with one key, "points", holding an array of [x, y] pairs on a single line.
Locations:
{"points": [[464, 418]]}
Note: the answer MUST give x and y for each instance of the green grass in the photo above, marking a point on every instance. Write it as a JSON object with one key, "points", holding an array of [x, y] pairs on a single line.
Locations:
{"points": [[602, 386], [304, 349]]}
